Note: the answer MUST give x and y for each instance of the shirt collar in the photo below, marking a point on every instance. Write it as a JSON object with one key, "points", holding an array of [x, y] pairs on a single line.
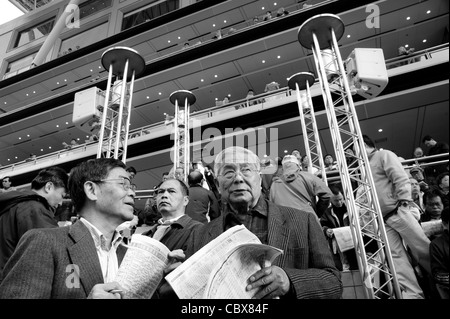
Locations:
{"points": [[161, 221], [261, 208], [99, 238]]}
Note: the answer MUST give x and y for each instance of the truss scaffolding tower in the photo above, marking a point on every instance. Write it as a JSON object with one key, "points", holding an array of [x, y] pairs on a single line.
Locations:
{"points": [[124, 64], [182, 100], [311, 139], [321, 34]]}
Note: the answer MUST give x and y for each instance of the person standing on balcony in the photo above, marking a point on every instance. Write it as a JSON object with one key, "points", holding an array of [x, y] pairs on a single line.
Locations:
{"points": [[6, 183]]}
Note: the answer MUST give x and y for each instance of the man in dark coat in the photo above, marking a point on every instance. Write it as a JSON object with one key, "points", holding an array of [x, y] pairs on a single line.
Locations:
{"points": [[21, 211], [335, 216], [203, 205], [174, 228]]}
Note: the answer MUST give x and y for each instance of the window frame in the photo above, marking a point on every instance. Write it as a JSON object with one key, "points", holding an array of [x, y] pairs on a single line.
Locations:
{"points": [[17, 37]]}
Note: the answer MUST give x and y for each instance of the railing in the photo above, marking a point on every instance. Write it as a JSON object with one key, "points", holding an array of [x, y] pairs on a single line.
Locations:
{"points": [[418, 56], [425, 161], [143, 131], [240, 27], [204, 39], [258, 100]]}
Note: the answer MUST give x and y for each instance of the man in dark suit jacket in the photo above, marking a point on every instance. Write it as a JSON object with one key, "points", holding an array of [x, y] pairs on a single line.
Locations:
{"points": [[80, 260], [306, 268], [203, 205], [174, 228]]}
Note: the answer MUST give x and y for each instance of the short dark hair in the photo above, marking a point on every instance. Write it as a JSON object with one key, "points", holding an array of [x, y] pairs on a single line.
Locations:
{"points": [[426, 138], [440, 177], [369, 142], [432, 193], [54, 174], [90, 170], [184, 188], [195, 177], [131, 169], [335, 189], [8, 177]]}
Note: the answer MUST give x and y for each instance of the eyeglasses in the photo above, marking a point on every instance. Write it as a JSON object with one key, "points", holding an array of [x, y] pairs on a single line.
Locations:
{"points": [[231, 174], [126, 183]]}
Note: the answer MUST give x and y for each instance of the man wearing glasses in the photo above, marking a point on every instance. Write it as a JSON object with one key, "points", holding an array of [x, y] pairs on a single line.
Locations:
{"points": [[306, 268], [81, 260]]}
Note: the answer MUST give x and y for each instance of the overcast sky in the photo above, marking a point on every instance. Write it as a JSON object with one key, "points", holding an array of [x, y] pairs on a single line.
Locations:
{"points": [[8, 11]]}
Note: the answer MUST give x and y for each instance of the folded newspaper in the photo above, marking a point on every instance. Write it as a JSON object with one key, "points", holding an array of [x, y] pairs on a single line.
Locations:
{"points": [[142, 267], [221, 269]]}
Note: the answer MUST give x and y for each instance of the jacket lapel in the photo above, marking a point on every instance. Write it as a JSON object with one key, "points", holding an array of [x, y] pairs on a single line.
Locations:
{"points": [[214, 231], [120, 252], [83, 254], [278, 233]]}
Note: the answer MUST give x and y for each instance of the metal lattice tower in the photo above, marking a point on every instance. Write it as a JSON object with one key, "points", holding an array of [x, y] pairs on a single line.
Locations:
{"points": [[124, 64], [320, 34], [182, 100], [303, 81]]}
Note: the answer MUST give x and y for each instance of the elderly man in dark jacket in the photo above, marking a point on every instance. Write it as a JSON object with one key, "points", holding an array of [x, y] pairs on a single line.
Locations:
{"points": [[306, 268]]}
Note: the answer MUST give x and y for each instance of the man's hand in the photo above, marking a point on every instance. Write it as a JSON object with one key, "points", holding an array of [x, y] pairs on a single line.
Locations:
{"points": [[165, 291], [110, 290], [272, 280], [423, 186], [330, 232], [176, 257]]}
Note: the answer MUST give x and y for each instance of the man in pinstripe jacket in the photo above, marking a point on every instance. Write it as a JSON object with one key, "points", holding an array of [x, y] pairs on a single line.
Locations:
{"points": [[306, 268], [80, 260]]}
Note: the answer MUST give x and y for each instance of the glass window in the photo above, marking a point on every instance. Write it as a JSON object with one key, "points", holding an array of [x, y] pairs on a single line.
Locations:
{"points": [[30, 5], [93, 6], [19, 66], [35, 32], [149, 12]]}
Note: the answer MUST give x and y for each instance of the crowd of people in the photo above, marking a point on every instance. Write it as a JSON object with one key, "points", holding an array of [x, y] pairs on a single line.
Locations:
{"points": [[282, 201]]}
